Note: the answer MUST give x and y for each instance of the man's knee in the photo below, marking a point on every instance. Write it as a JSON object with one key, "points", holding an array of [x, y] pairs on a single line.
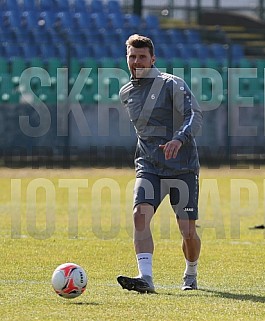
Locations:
{"points": [[187, 229], [142, 215]]}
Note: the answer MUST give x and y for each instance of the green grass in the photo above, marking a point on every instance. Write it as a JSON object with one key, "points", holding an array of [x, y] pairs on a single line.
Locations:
{"points": [[40, 230]]}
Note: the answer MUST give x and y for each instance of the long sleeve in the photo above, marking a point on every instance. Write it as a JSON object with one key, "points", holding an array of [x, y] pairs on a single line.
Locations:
{"points": [[187, 106]]}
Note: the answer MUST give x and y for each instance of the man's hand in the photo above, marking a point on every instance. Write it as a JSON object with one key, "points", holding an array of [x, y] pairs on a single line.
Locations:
{"points": [[171, 148]]}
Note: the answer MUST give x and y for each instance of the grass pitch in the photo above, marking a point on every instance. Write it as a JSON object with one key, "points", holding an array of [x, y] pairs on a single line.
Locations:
{"points": [[49, 217]]}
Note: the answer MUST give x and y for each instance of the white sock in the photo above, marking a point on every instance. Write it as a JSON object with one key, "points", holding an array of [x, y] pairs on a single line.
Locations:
{"points": [[191, 268], [144, 261]]}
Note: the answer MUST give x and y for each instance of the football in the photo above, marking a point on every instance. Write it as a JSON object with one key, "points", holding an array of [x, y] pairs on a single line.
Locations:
{"points": [[69, 280]]}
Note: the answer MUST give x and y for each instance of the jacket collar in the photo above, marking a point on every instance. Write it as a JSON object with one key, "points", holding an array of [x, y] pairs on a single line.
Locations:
{"points": [[152, 73]]}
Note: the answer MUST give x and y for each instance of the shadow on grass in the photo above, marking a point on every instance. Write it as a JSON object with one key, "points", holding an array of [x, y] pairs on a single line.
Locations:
{"points": [[84, 303], [234, 296], [226, 295]]}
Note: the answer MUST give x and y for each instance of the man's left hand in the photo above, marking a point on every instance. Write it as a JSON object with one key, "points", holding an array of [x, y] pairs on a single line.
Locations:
{"points": [[171, 148]]}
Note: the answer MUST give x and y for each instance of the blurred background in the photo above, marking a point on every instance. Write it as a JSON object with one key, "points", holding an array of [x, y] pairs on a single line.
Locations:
{"points": [[63, 62]]}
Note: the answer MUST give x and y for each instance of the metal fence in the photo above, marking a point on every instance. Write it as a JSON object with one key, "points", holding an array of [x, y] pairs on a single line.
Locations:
{"points": [[188, 10]]}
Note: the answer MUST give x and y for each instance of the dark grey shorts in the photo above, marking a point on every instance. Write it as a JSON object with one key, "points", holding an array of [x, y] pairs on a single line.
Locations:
{"points": [[183, 191]]}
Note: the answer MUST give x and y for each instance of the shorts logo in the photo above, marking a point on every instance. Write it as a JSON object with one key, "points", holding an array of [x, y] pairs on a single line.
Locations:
{"points": [[188, 209]]}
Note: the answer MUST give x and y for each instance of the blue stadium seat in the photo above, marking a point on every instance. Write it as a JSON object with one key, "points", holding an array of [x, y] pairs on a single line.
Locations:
{"points": [[92, 36], [8, 35], [64, 19], [41, 33], [29, 19], [151, 22], [56, 38], [47, 52], [76, 36], [219, 52], [175, 36], [96, 6], [192, 36], [126, 33], [62, 52], [117, 52], [110, 36], [100, 51], [2, 57], [100, 20], [29, 5], [47, 18], [237, 51], [82, 20], [158, 36], [79, 6], [24, 36], [11, 19], [11, 50], [116, 20], [30, 51], [166, 51], [81, 51], [46, 5], [113, 6], [62, 5], [160, 51], [185, 51], [201, 51], [132, 20], [10, 5]]}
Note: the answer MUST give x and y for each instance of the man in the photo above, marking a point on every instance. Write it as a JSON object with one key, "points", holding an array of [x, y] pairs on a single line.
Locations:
{"points": [[166, 117]]}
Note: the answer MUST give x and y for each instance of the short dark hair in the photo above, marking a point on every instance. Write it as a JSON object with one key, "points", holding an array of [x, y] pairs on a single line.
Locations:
{"points": [[138, 41]]}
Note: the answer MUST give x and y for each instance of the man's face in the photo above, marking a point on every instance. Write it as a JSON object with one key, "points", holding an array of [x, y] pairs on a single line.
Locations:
{"points": [[139, 61]]}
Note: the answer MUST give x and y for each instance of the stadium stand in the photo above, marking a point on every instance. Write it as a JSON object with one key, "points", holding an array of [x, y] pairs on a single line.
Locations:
{"points": [[81, 33]]}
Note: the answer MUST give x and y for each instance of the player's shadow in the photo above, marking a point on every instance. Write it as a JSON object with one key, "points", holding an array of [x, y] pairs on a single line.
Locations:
{"points": [[84, 303], [226, 295], [234, 296]]}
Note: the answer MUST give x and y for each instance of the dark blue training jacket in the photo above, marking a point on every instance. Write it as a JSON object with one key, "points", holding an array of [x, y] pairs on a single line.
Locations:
{"points": [[161, 108]]}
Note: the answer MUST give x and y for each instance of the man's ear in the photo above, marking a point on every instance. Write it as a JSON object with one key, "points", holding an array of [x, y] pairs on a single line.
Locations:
{"points": [[153, 59]]}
